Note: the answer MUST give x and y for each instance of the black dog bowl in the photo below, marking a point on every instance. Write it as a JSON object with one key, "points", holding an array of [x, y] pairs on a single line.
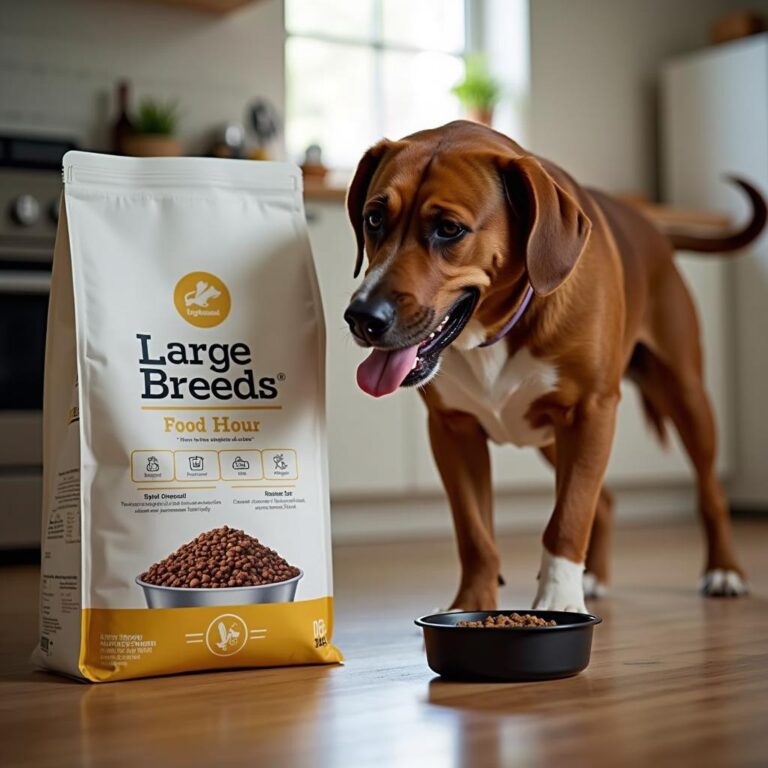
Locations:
{"points": [[508, 654]]}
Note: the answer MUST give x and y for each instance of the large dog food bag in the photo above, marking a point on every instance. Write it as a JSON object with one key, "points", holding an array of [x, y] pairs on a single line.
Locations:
{"points": [[186, 518]]}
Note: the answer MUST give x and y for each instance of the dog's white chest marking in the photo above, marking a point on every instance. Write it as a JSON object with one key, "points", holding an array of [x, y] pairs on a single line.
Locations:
{"points": [[497, 389]]}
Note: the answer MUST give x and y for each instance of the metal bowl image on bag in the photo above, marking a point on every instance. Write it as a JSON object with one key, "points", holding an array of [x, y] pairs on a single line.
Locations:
{"points": [[224, 566], [201, 597]]}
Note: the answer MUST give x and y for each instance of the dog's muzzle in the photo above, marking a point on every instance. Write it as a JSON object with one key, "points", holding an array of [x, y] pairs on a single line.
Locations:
{"points": [[386, 369]]}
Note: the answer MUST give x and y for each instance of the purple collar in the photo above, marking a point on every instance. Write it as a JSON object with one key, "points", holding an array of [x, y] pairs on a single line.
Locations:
{"points": [[512, 322]]}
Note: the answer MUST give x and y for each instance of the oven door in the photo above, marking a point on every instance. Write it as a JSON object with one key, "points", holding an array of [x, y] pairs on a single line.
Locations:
{"points": [[23, 319]]}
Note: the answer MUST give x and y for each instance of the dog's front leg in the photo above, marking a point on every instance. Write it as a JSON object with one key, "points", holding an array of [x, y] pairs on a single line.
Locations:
{"points": [[583, 448], [460, 448]]}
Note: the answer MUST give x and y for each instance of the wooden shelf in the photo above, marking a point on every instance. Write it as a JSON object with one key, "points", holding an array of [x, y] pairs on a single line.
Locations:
{"points": [[210, 6], [320, 193]]}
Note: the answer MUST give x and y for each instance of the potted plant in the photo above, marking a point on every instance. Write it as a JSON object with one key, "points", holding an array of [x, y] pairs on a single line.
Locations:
{"points": [[154, 129], [479, 91]]}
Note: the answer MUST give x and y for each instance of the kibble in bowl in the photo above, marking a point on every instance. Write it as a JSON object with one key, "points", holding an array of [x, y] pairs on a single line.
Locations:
{"points": [[512, 620], [224, 566]]}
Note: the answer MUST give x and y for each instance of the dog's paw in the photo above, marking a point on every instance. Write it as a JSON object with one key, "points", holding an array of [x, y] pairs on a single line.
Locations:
{"points": [[721, 582], [560, 585], [593, 588]]}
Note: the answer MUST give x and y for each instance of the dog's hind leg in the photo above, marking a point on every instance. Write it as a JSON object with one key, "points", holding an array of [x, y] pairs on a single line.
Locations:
{"points": [[668, 369], [597, 566], [460, 448]]}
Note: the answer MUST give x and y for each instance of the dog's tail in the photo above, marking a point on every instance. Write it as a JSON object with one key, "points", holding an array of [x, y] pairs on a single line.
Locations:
{"points": [[734, 241]]}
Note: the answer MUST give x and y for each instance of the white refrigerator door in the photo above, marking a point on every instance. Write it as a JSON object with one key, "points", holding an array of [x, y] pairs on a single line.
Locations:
{"points": [[714, 123]]}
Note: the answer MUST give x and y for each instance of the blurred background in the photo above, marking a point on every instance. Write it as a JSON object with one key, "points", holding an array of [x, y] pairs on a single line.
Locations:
{"points": [[653, 100]]}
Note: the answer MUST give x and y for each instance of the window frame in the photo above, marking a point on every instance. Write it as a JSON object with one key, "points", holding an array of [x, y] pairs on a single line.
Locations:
{"points": [[473, 24], [376, 39]]}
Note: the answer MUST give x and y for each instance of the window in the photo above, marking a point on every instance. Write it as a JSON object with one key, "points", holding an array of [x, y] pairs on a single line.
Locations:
{"points": [[361, 70]]}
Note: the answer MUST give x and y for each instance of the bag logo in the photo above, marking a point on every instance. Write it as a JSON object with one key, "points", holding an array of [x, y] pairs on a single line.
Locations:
{"points": [[226, 635], [202, 299]]}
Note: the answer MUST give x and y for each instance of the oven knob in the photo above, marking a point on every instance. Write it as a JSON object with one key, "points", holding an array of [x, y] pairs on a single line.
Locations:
{"points": [[53, 210], [25, 210]]}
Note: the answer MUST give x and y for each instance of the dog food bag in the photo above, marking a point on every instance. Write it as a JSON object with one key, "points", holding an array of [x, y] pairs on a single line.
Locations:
{"points": [[185, 515]]}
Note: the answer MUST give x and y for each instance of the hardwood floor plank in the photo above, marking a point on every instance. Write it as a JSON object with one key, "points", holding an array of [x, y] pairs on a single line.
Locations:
{"points": [[675, 679]]}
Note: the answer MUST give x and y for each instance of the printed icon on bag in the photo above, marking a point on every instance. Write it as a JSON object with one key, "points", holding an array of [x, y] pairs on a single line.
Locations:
{"points": [[226, 635], [280, 462], [152, 466], [196, 463], [240, 463], [202, 299]]}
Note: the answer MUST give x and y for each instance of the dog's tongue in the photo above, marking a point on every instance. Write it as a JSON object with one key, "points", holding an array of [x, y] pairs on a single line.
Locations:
{"points": [[383, 371]]}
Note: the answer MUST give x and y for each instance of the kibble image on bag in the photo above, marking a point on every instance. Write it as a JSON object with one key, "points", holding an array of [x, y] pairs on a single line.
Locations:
{"points": [[185, 514]]}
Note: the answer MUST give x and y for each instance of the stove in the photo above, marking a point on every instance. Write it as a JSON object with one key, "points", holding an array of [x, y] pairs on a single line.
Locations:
{"points": [[30, 187]]}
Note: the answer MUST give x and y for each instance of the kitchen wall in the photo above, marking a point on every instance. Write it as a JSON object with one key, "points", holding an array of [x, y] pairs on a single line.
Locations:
{"points": [[591, 107], [594, 75], [593, 70], [60, 60]]}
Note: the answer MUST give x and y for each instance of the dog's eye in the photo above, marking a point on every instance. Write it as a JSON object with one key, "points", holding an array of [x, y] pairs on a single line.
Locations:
{"points": [[448, 230], [373, 220]]}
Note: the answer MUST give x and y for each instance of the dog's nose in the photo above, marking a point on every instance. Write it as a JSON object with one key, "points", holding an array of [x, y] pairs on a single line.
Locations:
{"points": [[370, 319]]}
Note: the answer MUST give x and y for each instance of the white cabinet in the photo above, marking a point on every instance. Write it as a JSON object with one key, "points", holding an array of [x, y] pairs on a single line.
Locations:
{"points": [[715, 122], [367, 437]]}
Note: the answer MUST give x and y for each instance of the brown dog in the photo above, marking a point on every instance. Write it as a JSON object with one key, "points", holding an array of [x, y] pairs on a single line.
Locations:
{"points": [[533, 296]]}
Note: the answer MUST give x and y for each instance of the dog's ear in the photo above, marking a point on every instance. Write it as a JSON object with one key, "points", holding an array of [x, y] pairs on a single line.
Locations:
{"points": [[554, 228], [356, 194]]}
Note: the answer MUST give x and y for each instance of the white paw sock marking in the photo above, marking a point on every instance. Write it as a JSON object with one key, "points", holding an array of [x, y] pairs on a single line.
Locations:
{"points": [[593, 587], [560, 584], [723, 583]]}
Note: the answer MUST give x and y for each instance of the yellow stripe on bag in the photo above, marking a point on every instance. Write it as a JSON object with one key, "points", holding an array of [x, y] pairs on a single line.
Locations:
{"points": [[119, 644]]}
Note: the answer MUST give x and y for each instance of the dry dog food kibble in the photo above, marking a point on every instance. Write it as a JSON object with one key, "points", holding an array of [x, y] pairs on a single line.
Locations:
{"points": [[223, 557], [512, 620]]}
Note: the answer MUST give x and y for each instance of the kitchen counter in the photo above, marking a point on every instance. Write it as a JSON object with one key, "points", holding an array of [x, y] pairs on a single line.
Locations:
{"points": [[324, 193], [667, 217]]}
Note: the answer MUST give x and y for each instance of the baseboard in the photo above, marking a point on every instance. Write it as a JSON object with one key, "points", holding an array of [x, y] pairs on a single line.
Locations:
{"points": [[408, 518], [356, 520], [750, 511], [25, 556]]}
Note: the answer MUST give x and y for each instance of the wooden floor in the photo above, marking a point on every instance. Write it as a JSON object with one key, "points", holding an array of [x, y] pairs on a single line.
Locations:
{"points": [[675, 679]]}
